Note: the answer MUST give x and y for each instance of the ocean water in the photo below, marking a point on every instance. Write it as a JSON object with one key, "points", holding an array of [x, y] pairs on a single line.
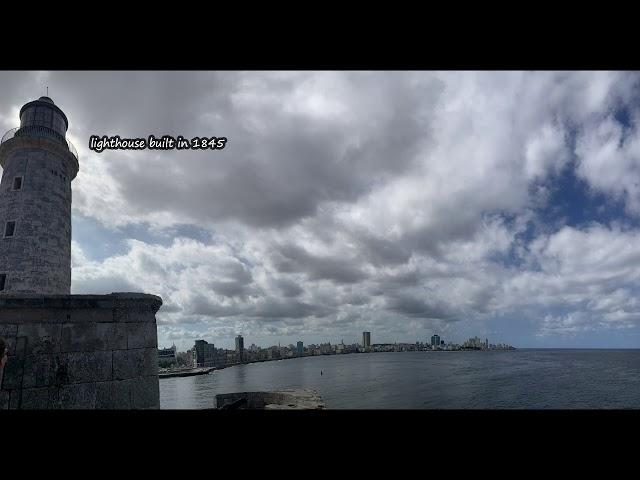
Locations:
{"points": [[519, 379]]}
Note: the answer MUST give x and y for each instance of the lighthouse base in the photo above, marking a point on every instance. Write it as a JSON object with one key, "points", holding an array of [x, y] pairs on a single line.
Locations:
{"points": [[80, 351]]}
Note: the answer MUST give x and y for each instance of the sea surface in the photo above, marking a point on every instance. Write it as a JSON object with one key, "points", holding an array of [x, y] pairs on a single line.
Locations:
{"points": [[517, 379]]}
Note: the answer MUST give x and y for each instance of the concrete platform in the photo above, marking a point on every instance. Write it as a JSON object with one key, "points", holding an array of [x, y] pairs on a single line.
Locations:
{"points": [[299, 399]]}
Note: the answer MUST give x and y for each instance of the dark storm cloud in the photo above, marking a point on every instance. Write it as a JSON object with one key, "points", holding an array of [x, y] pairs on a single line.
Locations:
{"points": [[272, 308], [294, 259], [288, 287], [228, 289], [280, 164], [201, 304], [420, 308], [380, 251]]}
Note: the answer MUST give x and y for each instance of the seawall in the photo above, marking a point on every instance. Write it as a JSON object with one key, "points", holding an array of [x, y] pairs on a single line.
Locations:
{"points": [[80, 351]]}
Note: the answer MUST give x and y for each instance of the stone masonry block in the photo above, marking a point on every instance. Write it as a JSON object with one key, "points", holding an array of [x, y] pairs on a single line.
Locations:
{"points": [[22, 315], [82, 367], [128, 363], [121, 394], [12, 375], [80, 395], [4, 399], [142, 335], [41, 338], [111, 336], [15, 398], [39, 371], [35, 398], [78, 337], [138, 362], [80, 315], [145, 393], [9, 332], [104, 395], [116, 394], [150, 367]]}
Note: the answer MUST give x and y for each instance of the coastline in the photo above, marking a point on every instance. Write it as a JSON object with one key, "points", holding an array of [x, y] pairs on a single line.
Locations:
{"points": [[192, 371]]}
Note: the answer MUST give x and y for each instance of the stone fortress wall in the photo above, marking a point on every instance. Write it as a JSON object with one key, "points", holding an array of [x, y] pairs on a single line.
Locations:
{"points": [[80, 351]]}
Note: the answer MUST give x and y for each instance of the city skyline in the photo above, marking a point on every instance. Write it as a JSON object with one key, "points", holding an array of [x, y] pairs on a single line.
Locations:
{"points": [[499, 204], [205, 355], [281, 343]]}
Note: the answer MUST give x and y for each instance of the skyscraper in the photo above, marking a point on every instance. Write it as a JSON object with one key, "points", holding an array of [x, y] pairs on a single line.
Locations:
{"points": [[300, 348], [366, 339], [240, 347], [435, 341]]}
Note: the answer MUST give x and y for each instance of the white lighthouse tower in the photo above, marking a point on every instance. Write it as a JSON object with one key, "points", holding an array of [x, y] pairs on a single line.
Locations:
{"points": [[35, 202]]}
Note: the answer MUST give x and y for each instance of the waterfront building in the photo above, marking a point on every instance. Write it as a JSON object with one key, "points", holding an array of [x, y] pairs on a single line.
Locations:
{"points": [[435, 341], [366, 340], [205, 353], [300, 348], [167, 356], [239, 348]]}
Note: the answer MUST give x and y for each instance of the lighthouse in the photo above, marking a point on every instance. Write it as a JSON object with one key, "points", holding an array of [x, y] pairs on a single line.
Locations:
{"points": [[97, 350], [39, 164]]}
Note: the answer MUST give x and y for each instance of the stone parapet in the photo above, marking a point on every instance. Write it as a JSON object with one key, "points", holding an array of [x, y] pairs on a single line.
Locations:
{"points": [[80, 351]]}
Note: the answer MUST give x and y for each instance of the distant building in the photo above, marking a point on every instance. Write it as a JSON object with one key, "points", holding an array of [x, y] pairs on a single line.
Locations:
{"points": [[167, 356], [300, 348], [366, 340], [239, 348], [435, 341], [205, 353]]}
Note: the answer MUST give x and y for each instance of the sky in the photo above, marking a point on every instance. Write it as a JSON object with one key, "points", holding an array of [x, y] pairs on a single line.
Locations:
{"points": [[499, 204]]}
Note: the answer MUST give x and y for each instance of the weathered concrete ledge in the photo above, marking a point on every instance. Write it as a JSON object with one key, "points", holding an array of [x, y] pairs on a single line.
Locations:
{"points": [[303, 399], [80, 351]]}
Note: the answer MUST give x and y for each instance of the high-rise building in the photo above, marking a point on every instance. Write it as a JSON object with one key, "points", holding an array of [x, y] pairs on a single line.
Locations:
{"points": [[240, 348], [300, 348], [435, 341], [366, 339], [205, 353]]}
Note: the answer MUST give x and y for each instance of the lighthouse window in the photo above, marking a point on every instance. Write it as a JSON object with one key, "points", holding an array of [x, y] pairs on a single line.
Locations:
{"points": [[3, 279], [9, 229], [17, 183]]}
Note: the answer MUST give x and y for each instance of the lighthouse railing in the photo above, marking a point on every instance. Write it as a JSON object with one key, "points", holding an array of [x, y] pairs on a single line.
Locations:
{"points": [[72, 149], [40, 129], [9, 135]]}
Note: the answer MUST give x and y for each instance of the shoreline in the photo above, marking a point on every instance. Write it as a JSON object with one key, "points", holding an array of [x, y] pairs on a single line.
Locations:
{"points": [[191, 372]]}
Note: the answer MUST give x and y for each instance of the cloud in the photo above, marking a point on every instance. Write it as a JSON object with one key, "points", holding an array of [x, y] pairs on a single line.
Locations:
{"points": [[345, 201]]}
